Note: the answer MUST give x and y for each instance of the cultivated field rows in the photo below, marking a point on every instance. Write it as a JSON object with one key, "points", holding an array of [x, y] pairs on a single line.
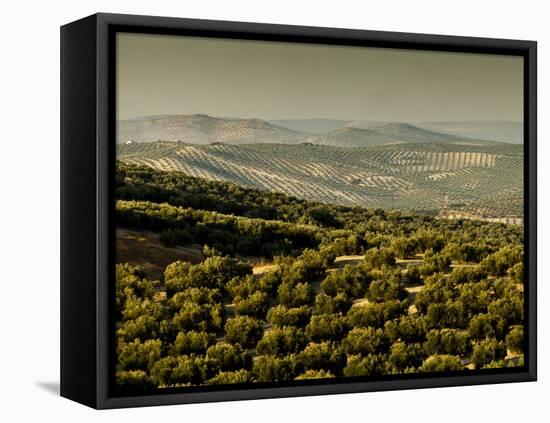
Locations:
{"points": [[412, 176]]}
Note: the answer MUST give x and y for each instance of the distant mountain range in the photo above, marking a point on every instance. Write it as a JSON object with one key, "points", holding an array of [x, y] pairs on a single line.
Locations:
{"points": [[390, 133], [204, 129], [502, 131]]}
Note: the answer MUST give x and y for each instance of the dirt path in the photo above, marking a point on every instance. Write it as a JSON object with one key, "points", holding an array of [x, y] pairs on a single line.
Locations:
{"points": [[264, 268], [352, 260]]}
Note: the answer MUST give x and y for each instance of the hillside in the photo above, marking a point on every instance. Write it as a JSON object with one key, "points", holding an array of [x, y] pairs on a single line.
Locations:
{"points": [[502, 131], [203, 129], [427, 177], [222, 284], [391, 133], [312, 126]]}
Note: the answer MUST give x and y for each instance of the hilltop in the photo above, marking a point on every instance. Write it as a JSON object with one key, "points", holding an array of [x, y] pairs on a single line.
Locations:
{"points": [[390, 133], [204, 129], [489, 130]]}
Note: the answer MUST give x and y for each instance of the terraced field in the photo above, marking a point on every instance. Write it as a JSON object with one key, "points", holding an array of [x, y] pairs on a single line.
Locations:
{"points": [[482, 179]]}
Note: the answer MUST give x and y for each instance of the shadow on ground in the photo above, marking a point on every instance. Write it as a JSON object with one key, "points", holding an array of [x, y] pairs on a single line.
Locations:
{"points": [[51, 387]]}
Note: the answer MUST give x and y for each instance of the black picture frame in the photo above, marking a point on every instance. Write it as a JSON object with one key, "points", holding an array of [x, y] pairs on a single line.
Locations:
{"points": [[87, 173]]}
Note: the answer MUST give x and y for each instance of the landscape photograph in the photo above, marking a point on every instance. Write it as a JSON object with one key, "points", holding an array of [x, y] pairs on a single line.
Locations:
{"points": [[289, 212]]}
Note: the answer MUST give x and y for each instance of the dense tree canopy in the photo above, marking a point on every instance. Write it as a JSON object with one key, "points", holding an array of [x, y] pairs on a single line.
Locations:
{"points": [[284, 289]]}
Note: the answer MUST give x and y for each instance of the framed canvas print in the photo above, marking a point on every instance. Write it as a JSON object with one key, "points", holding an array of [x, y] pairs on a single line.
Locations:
{"points": [[256, 211]]}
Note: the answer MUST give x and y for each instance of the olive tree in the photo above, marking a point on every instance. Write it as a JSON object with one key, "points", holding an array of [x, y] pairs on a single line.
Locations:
{"points": [[243, 330], [227, 357], [442, 363], [323, 327], [369, 365], [488, 350]]}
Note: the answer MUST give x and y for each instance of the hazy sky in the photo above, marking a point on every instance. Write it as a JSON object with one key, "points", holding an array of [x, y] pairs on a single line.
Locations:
{"points": [[160, 74]]}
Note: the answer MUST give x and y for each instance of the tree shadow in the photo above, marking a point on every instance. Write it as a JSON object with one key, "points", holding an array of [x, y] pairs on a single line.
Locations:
{"points": [[51, 387]]}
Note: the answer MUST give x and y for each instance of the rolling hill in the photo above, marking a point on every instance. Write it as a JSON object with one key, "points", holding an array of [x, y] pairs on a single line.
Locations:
{"points": [[505, 131], [483, 179], [313, 126], [390, 133], [204, 129], [502, 131]]}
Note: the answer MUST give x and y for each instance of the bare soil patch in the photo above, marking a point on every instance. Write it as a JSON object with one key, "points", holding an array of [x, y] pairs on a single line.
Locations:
{"points": [[143, 248]]}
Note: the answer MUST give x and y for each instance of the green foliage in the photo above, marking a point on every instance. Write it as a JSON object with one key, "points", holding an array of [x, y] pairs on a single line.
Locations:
{"points": [[229, 378], [200, 317], [195, 295], [516, 273], [213, 273], [442, 363], [226, 233], [437, 290], [498, 263], [370, 365], [507, 311], [404, 356], [405, 247], [268, 368], [255, 305], [325, 327], [376, 314], [481, 327], [406, 328], [376, 258], [296, 295], [135, 307], [366, 341], [514, 339], [325, 304], [487, 351], [461, 275], [434, 262], [323, 216], [324, 355], [388, 287], [192, 342], [459, 313], [227, 357], [133, 381], [243, 286], [282, 341], [448, 341], [353, 281], [467, 252], [144, 327], [131, 282], [475, 296], [243, 330], [137, 355], [451, 314], [281, 315], [179, 371], [315, 374]]}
